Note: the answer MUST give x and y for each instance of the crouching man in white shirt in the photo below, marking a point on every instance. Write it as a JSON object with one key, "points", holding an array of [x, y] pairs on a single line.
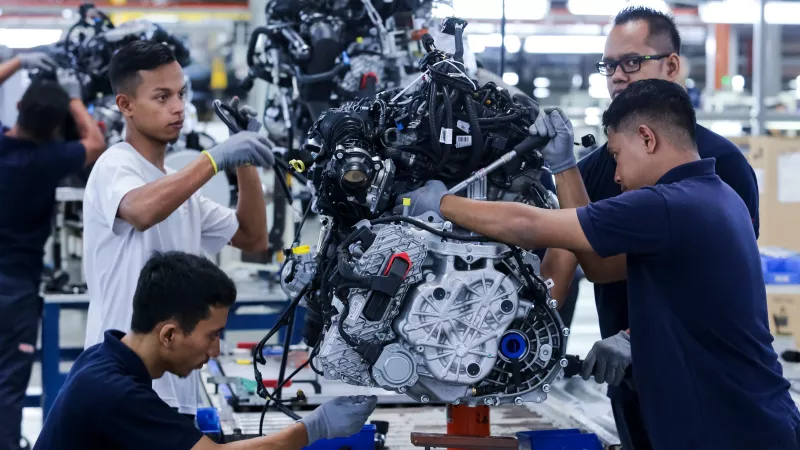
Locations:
{"points": [[134, 205]]}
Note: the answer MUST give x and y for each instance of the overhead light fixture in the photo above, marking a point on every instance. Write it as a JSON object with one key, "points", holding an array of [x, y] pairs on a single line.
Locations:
{"points": [[599, 92], [611, 7], [493, 10], [747, 12], [576, 45], [442, 10], [737, 83], [511, 78], [28, 37], [541, 82], [541, 92], [513, 43]]}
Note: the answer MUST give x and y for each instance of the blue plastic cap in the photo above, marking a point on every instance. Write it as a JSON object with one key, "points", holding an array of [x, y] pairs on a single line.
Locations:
{"points": [[513, 346]]}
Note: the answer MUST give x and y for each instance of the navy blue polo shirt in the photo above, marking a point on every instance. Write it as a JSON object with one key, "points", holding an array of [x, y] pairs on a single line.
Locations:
{"points": [[29, 175], [702, 355], [108, 403], [597, 170]]}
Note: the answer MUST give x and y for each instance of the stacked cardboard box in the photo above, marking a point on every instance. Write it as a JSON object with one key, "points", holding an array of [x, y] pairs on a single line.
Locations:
{"points": [[776, 163]]}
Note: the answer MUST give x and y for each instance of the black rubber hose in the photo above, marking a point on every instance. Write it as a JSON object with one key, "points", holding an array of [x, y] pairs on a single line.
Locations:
{"points": [[320, 77], [477, 138], [434, 130], [424, 226], [448, 120], [459, 54], [251, 46]]}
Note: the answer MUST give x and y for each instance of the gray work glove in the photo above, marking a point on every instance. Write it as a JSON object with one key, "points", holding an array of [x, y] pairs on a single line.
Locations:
{"points": [[248, 112], [340, 417], [427, 198], [37, 60], [559, 153], [243, 148], [69, 81], [612, 356]]}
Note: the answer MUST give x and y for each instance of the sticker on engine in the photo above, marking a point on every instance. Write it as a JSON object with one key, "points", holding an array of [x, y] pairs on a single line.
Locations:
{"points": [[463, 141], [446, 136], [464, 126], [355, 309]]}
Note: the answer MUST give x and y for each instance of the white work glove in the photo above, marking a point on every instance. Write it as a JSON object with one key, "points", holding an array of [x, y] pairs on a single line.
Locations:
{"points": [[612, 356], [340, 417], [243, 148], [69, 81], [427, 198], [559, 153], [36, 60]]}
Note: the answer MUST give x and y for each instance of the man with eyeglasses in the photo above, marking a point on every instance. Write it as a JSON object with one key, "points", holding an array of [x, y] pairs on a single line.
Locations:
{"points": [[643, 44]]}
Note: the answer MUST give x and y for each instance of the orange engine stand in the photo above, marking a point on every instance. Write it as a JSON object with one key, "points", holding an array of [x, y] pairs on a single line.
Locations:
{"points": [[464, 420]]}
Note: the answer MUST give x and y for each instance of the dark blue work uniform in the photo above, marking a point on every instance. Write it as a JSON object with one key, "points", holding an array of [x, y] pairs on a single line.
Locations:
{"points": [[29, 174], [702, 355], [108, 403], [597, 170]]}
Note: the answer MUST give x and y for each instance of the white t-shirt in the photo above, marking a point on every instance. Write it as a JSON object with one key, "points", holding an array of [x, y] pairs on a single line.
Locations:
{"points": [[114, 252]]}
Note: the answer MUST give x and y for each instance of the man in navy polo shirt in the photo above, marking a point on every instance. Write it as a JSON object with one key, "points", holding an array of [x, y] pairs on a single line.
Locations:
{"points": [[179, 310], [705, 369], [34, 158], [642, 44]]}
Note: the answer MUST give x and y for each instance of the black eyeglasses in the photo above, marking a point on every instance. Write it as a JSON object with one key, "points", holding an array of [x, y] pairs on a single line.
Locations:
{"points": [[628, 64]]}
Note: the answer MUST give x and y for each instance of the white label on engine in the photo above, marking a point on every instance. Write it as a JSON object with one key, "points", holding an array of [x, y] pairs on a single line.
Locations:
{"points": [[355, 309], [463, 141], [464, 126], [446, 136]]}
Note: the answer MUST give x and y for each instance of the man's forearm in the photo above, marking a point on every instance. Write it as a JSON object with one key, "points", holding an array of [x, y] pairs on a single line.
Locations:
{"points": [[9, 68], [150, 204], [293, 437], [517, 224], [251, 210], [570, 189], [559, 265], [572, 194], [88, 131]]}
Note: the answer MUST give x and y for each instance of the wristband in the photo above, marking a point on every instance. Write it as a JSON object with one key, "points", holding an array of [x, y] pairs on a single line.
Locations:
{"points": [[213, 163]]}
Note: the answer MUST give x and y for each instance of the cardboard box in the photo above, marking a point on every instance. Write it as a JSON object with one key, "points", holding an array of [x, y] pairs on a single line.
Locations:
{"points": [[783, 308], [776, 163]]}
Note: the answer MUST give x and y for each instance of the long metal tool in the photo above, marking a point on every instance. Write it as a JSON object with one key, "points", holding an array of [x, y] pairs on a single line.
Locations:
{"points": [[527, 145]]}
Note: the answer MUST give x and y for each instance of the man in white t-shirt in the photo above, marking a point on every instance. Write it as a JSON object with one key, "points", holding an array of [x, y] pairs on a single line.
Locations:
{"points": [[133, 205]]}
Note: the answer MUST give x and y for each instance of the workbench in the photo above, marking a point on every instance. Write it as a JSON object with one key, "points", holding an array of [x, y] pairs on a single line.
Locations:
{"points": [[52, 354]]}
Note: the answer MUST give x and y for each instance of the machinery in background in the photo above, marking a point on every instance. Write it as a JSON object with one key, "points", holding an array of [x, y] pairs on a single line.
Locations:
{"points": [[413, 304], [318, 54], [87, 49]]}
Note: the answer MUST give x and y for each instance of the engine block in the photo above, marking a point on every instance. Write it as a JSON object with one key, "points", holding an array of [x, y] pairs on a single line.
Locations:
{"points": [[457, 330]]}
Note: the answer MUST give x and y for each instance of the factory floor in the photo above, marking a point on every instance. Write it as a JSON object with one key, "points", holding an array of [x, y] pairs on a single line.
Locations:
{"points": [[584, 332]]}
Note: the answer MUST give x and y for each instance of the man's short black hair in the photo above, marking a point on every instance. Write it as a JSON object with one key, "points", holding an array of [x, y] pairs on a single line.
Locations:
{"points": [[43, 110], [662, 32], [125, 65], [179, 286], [660, 104]]}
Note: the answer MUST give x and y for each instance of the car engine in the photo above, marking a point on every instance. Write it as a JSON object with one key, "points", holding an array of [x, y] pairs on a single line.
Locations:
{"points": [[413, 304]]}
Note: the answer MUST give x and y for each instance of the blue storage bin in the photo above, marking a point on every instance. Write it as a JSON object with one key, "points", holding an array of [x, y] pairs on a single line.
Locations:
{"points": [[781, 278], [780, 266], [208, 420], [363, 440], [569, 439]]}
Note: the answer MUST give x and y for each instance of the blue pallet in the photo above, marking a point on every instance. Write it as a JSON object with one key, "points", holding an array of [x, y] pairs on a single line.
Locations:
{"points": [[363, 440], [569, 439]]}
